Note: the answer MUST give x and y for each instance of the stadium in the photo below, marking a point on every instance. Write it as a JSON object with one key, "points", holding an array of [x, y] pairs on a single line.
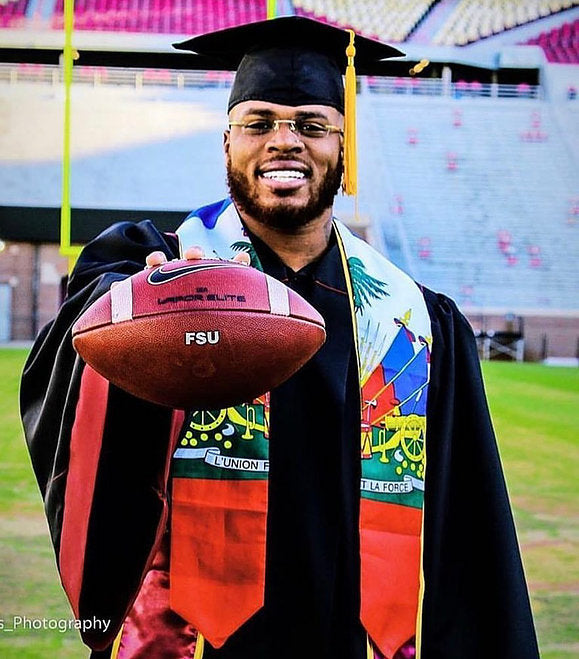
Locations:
{"points": [[468, 168], [468, 156]]}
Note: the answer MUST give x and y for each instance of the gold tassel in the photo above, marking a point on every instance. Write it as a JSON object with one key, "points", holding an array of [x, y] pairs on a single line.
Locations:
{"points": [[117, 644], [199, 646], [350, 182]]}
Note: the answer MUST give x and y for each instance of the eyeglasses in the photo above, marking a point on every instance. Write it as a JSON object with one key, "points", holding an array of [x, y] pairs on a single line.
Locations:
{"points": [[303, 127]]}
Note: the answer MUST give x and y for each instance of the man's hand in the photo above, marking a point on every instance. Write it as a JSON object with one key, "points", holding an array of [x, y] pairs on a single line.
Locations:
{"points": [[191, 254]]}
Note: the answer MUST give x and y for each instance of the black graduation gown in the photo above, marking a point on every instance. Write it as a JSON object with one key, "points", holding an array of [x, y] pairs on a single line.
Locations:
{"points": [[476, 602]]}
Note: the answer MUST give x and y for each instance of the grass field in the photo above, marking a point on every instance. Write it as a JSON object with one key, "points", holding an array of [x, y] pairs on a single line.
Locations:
{"points": [[536, 415]]}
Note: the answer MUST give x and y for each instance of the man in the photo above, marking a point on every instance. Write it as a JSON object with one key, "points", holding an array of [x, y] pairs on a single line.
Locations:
{"points": [[381, 527]]}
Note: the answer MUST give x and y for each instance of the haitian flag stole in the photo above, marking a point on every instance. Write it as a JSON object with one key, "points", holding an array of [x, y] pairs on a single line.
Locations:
{"points": [[220, 466], [393, 339]]}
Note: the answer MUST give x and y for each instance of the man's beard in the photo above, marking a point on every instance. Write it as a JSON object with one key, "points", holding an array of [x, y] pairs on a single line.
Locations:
{"points": [[284, 217]]}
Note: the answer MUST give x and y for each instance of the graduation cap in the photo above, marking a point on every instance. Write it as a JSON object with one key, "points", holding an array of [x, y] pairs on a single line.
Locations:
{"points": [[294, 61]]}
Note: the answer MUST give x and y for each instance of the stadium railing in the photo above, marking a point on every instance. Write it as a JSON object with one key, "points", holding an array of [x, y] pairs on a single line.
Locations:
{"points": [[139, 77]]}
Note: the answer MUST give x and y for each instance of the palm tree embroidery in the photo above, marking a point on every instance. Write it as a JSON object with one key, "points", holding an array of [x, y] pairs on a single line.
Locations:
{"points": [[365, 287], [246, 246]]}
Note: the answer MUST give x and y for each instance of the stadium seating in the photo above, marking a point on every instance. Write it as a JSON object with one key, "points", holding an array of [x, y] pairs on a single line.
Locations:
{"points": [[561, 44], [472, 194], [476, 19], [488, 217], [12, 13], [161, 16], [389, 20]]}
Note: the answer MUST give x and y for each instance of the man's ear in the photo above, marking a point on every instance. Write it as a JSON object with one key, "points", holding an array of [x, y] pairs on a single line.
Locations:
{"points": [[226, 139]]}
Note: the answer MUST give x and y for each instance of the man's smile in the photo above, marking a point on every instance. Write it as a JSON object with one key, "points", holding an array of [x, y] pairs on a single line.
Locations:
{"points": [[286, 174], [283, 174]]}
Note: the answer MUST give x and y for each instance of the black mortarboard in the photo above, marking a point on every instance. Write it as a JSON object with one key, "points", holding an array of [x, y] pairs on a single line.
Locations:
{"points": [[290, 60], [294, 61]]}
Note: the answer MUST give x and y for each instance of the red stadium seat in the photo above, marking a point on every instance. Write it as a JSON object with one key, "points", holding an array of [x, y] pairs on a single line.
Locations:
{"points": [[451, 161], [162, 16], [559, 43], [13, 13], [424, 248]]}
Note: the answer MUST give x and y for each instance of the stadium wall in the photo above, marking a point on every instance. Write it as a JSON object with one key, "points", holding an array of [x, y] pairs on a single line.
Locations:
{"points": [[33, 273], [542, 335]]}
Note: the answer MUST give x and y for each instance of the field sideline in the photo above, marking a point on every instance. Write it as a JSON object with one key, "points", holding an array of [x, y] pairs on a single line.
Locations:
{"points": [[536, 415]]}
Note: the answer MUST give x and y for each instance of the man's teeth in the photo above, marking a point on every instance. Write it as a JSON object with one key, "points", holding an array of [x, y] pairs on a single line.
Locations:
{"points": [[284, 175]]}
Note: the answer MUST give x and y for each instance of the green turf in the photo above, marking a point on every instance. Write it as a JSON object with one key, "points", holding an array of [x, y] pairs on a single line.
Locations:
{"points": [[29, 589], [29, 584], [17, 491], [535, 412]]}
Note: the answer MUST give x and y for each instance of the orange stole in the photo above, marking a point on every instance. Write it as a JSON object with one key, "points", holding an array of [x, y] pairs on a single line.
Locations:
{"points": [[217, 566], [390, 572], [85, 451]]}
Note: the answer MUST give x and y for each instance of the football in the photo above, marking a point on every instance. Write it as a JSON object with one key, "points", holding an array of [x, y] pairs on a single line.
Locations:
{"points": [[203, 334]]}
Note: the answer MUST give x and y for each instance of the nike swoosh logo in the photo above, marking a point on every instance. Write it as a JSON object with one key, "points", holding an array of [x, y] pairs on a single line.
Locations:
{"points": [[160, 276]]}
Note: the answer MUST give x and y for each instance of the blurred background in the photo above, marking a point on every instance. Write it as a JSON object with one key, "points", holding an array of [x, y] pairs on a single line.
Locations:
{"points": [[468, 154]]}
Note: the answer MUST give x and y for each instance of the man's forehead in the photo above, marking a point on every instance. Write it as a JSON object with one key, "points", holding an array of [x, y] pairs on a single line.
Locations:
{"points": [[279, 111]]}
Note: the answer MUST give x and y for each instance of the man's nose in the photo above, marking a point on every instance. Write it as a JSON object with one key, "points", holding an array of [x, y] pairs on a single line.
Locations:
{"points": [[284, 138]]}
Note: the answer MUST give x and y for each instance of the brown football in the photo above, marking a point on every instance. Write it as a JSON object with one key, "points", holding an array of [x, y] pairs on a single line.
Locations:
{"points": [[202, 334]]}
